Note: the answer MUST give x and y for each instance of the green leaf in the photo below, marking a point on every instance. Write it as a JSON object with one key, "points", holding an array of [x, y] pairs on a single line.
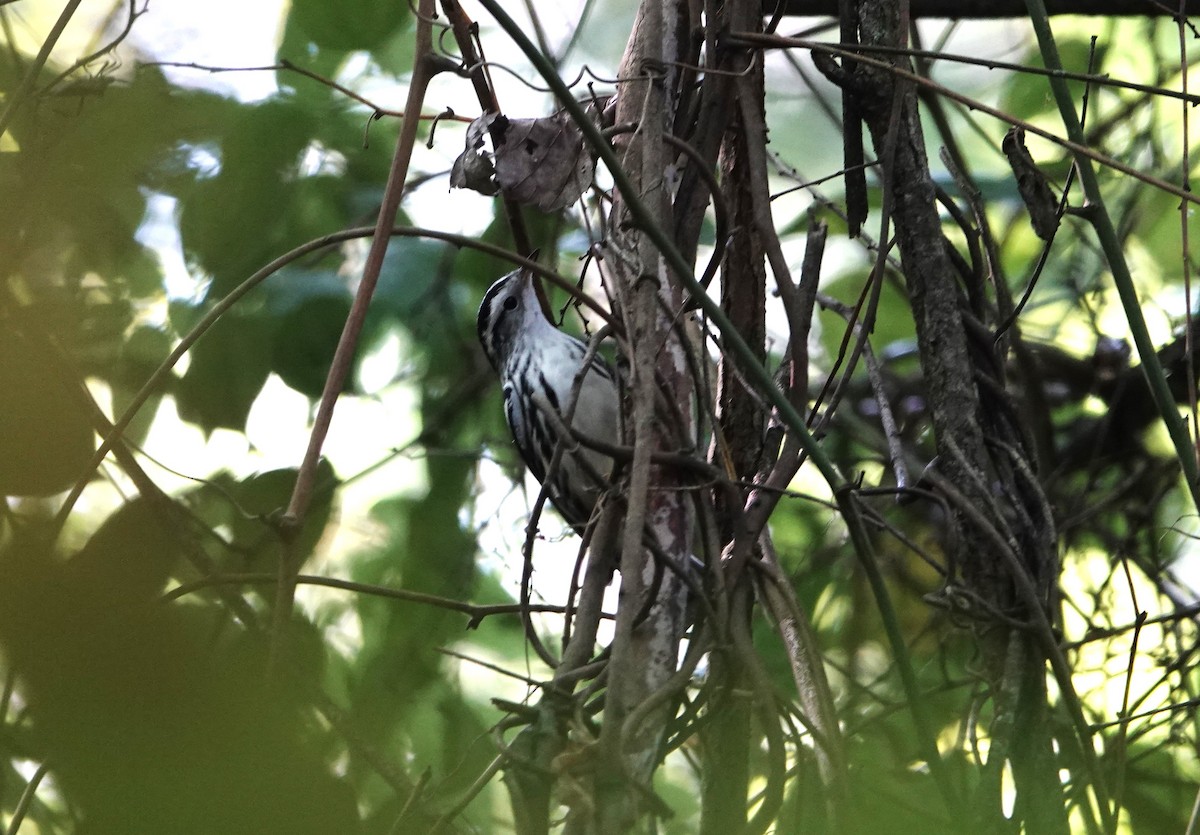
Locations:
{"points": [[77, 189], [229, 367], [1028, 96], [46, 439], [428, 551], [305, 340], [254, 209], [395, 55], [348, 25], [410, 274], [893, 323], [248, 508], [131, 556], [1161, 788], [141, 354], [156, 722], [310, 308], [296, 46]]}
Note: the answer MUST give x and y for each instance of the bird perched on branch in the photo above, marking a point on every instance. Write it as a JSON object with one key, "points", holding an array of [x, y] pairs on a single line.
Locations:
{"points": [[540, 369]]}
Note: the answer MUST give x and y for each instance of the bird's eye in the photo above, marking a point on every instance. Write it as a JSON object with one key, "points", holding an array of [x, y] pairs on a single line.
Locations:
{"points": [[510, 303]]}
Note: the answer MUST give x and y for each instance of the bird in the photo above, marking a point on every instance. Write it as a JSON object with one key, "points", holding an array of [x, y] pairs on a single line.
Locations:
{"points": [[538, 366]]}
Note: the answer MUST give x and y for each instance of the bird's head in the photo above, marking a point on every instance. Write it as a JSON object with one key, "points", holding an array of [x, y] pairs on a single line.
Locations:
{"points": [[509, 311]]}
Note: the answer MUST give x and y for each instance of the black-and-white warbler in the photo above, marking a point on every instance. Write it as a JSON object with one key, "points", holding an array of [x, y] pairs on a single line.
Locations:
{"points": [[538, 365]]}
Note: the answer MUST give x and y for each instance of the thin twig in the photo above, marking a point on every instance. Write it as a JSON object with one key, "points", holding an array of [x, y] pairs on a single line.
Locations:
{"points": [[18, 97], [158, 379], [466, 35], [1063, 202], [22, 807], [990, 63], [134, 14], [292, 521], [1076, 146], [645, 221], [470, 794], [1110, 243], [476, 612], [1185, 168]]}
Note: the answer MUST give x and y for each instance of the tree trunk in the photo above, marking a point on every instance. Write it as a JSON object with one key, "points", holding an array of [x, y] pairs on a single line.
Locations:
{"points": [[651, 615], [983, 464]]}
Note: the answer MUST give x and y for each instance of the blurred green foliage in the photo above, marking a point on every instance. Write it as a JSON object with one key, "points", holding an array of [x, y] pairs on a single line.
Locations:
{"points": [[157, 716]]}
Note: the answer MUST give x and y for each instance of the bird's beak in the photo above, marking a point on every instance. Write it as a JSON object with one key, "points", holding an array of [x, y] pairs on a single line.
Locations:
{"points": [[528, 284], [527, 274]]}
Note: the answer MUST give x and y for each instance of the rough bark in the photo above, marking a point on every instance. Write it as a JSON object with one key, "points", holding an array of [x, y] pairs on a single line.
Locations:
{"points": [[890, 111], [727, 740], [982, 458], [645, 650]]}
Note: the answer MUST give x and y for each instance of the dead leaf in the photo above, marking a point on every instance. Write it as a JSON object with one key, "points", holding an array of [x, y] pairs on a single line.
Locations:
{"points": [[473, 168], [543, 162], [1031, 183]]}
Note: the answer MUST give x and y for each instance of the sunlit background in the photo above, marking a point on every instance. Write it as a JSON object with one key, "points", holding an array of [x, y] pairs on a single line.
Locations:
{"points": [[230, 48]]}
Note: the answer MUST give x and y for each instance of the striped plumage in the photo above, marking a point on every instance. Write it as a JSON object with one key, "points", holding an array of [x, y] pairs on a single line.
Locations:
{"points": [[535, 358]]}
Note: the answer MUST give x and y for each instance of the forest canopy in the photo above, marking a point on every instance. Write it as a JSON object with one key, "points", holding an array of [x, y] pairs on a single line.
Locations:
{"points": [[900, 530]]}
